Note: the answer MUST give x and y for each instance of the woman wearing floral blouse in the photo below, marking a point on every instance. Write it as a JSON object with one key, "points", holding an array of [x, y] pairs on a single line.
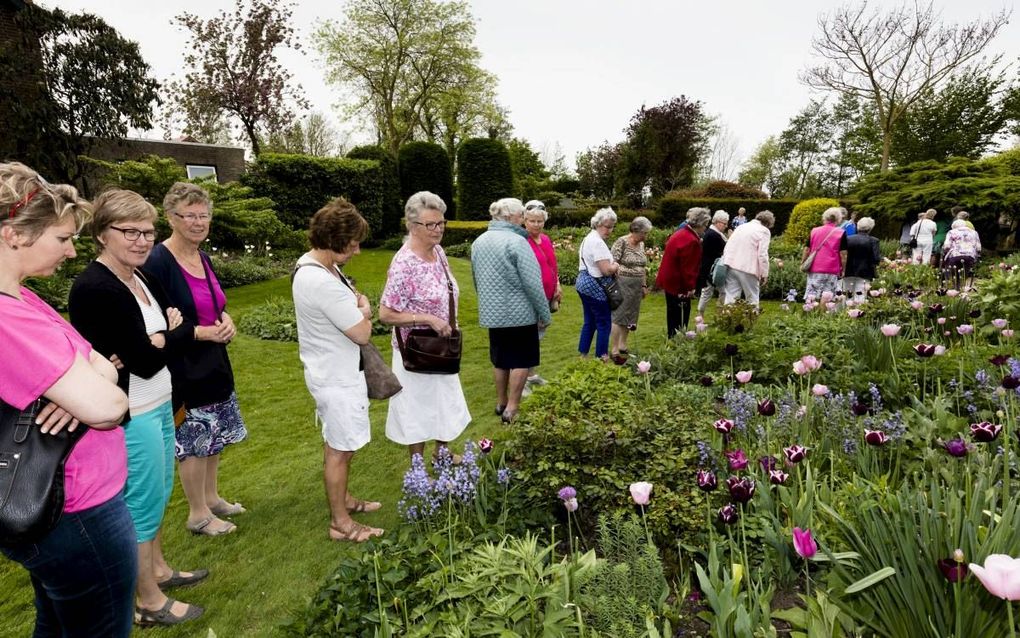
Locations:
{"points": [[629, 252]]}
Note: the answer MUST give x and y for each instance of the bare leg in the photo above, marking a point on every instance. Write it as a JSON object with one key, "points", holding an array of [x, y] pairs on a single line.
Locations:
{"points": [[416, 448], [193, 472], [615, 338], [337, 467], [212, 466], [517, 378], [502, 378], [150, 596]]}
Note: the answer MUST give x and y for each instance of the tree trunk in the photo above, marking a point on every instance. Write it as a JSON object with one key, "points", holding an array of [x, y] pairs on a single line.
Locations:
{"points": [[886, 146]]}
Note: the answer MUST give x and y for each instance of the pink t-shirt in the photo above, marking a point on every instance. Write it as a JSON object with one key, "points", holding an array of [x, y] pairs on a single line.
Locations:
{"points": [[38, 347], [546, 255], [419, 287], [207, 314]]}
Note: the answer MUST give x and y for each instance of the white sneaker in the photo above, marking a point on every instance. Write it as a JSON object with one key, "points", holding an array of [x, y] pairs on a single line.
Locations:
{"points": [[536, 380], [526, 391]]}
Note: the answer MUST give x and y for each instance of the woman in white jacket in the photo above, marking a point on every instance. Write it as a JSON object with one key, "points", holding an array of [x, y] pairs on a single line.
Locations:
{"points": [[923, 231]]}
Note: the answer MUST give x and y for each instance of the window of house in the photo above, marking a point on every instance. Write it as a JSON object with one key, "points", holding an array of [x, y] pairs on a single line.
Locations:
{"points": [[200, 171]]}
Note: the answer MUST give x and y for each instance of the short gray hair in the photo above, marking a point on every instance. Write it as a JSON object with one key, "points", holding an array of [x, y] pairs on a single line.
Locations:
{"points": [[535, 211], [603, 215], [964, 215], [721, 216], [766, 218], [640, 225], [865, 225], [833, 214], [422, 201], [502, 209], [699, 217]]}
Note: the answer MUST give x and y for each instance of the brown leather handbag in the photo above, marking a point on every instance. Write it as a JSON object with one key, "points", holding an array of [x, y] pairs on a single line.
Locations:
{"points": [[427, 352]]}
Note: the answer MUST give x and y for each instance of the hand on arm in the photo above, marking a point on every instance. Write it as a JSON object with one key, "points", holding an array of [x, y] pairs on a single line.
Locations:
{"points": [[87, 392]]}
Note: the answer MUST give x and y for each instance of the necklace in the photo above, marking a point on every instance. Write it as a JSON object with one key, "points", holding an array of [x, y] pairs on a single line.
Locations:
{"points": [[192, 262]]}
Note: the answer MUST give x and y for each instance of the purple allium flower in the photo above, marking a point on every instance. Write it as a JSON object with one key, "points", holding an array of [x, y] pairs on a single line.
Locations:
{"points": [[567, 493]]}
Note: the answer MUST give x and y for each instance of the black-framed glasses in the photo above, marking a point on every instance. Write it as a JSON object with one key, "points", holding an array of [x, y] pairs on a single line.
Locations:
{"points": [[132, 234], [433, 226], [191, 219]]}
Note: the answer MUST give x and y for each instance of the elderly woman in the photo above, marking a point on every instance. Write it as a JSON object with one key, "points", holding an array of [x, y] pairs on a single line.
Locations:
{"points": [[83, 570], [511, 301], [595, 262], [333, 321], [127, 318], [418, 292], [535, 217], [629, 252], [961, 251], [712, 244], [678, 272], [747, 257], [923, 233], [828, 243], [862, 255], [203, 378]]}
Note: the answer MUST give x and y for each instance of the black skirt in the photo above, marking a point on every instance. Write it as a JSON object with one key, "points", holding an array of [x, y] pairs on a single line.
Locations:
{"points": [[514, 348]]}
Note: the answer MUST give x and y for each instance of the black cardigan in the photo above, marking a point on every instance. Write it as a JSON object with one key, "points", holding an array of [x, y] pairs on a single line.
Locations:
{"points": [[106, 313], [202, 374], [712, 245]]}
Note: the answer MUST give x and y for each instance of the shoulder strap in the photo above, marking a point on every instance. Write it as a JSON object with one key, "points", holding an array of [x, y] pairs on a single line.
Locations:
{"points": [[449, 291], [208, 281]]}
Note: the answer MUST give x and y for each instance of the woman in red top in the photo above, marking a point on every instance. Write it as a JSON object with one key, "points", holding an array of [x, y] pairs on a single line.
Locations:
{"points": [[535, 217], [678, 273]]}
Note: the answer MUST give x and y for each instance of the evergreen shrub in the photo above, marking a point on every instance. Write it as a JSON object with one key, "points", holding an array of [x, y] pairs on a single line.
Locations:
{"points": [[484, 175], [425, 166], [393, 204], [806, 215], [673, 210]]}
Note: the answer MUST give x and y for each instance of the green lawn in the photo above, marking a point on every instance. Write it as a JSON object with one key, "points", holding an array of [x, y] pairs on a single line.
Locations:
{"points": [[280, 554]]}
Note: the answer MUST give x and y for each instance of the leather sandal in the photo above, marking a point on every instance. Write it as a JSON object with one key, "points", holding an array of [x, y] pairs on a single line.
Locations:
{"points": [[223, 508], [178, 580], [361, 507], [356, 533], [164, 617], [202, 528]]}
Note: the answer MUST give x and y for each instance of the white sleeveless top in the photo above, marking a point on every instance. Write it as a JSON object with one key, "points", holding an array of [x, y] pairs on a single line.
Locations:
{"points": [[146, 394]]}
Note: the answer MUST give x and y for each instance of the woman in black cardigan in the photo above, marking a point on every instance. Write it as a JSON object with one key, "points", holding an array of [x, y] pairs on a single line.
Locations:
{"points": [[126, 316]]}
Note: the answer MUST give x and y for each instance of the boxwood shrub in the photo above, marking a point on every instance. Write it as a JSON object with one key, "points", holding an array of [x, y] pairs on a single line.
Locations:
{"points": [[425, 166], [484, 175], [673, 210]]}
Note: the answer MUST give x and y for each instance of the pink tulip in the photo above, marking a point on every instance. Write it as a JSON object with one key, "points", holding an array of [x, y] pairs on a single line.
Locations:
{"points": [[952, 293], [800, 369], [570, 504], [699, 319], [819, 390], [1000, 575], [941, 321], [999, 323], [803, 543], [744, 376], [812, 362], [940, 350], [808, 307], [890, 329], [965, 329], [690, 334], [827, 296], [640, 492], [1008, 333], [916, 305], [855, 313], [737, 459], [643, 367], [700, 327], [875, 293], [831, 306]]}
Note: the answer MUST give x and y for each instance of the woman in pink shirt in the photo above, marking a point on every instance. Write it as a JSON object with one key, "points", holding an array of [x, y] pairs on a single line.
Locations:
{"points": [[535, 217], [83, 570], [828, 243]]}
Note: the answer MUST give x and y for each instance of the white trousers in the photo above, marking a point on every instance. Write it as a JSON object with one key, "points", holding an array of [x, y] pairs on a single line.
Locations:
{"points": [[739, 282]]}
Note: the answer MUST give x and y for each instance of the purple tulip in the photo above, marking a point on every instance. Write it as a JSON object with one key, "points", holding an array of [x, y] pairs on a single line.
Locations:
{"points": [[1010, 382], [924, 350], [768, 463], [723, 425], [956, 447], [731, 349], [875, 437], [707, 481], [706, 381], [984, 432], [953, 571], [737, 459], [741, 489], [965, 329], [999, 360], [778, 477], [795, 453], [999, 324], [766, 407], [728, 514], [485, 445]]}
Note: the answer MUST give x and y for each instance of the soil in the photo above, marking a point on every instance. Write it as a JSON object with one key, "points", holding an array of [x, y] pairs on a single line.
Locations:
{"points": [[690, 626]]}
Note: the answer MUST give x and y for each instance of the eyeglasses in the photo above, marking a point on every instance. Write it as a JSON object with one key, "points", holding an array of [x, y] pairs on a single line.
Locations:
{"points": [[132, 234], [535, 207], [191, 219], [433, 226]]}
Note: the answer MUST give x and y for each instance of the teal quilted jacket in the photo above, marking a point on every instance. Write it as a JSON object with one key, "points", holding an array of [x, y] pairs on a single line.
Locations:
{"points": [[507, 278]]}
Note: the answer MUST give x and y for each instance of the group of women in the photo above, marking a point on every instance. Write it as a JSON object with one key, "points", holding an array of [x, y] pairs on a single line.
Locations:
{"points": [[146, 339]]}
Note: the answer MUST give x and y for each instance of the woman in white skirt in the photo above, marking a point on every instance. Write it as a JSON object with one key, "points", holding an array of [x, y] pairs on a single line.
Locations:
{"points": [[431, 407]]}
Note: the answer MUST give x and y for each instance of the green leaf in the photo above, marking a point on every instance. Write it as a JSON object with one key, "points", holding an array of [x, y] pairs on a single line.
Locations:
{"points": [[870, 579]]}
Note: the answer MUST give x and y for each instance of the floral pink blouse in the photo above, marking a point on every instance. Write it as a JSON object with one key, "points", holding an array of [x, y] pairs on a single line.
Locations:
{"points": [[418, 286]]}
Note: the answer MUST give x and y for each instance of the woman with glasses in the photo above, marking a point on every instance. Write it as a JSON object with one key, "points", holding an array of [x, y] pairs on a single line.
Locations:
{"points": [[535, 217], [126, 316], [203, 378], [431, 407]]}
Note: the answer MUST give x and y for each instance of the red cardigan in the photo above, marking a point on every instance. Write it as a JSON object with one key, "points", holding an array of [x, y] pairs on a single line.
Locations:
{"points": [[681, 260]]}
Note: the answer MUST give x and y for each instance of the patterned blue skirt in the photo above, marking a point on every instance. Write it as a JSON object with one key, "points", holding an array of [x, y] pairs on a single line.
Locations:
{"points": [[208, 429]]}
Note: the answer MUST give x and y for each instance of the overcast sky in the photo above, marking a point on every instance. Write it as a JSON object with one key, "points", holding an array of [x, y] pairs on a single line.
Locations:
{"points": [[573, 72]]}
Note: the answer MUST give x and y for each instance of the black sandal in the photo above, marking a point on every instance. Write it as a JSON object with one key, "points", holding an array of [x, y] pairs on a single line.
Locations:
{"points": [[163, 617]]}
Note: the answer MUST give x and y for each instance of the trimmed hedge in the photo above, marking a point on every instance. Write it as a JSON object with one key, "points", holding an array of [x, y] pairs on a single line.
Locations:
{"points": [[392, 204], [574, 217], [673, 210], [424, 166], [459, 232], [806, 215], [485, 175], [301, 184]]}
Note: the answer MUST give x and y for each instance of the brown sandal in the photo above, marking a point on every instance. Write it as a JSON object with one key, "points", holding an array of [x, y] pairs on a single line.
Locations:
{"points": [[202, 528], [356, 533], [363, 507]]}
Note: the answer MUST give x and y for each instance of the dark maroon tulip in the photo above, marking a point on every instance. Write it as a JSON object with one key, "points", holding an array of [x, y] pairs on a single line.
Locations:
{"points": [[737, 459], [778, 477], [984, 432], [795, 453], [975, 313], [741, 489], [875, 437], [1010, 382], [766, 407], [924, 350], [941, 292], [952, 570], [897, 291], [731, 349], [706, 381], [999, 360], [860, 409], [768, 463], [728, 514], [723, 425], [956, 447], [707, 480], [935, 309]]}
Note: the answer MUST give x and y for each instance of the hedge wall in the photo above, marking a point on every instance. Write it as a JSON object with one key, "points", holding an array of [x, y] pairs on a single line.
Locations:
{"points": [[673, 210], [485, 175], [392, 204], [425, 166], [301, 184]]}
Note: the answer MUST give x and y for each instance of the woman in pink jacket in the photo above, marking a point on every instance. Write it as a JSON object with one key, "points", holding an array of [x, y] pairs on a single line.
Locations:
{"points": [[747, 257], [828, 242]]}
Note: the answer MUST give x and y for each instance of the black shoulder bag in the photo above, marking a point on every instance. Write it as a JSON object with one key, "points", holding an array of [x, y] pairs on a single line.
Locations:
{"points": [[609, 284], [426, 351]]}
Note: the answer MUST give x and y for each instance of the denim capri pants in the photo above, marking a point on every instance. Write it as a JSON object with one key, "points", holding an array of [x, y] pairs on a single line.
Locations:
{"points": [[150, 458]]}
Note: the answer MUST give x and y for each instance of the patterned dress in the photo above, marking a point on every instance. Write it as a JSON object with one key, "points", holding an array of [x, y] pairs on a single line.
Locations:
{"points": [[631, 278]]}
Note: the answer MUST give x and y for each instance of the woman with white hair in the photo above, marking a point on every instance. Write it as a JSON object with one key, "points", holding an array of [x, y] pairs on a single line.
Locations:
{"points": [[862, 255], [595, 262], [629, 253], [828, 244], [712, 244], [961, 251], [923, 234], [678, 273], [511, 301], [747, 257]]}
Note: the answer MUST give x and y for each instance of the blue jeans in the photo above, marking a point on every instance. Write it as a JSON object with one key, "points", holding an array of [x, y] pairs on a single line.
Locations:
{"points": [[84, 573], [598, 319]]}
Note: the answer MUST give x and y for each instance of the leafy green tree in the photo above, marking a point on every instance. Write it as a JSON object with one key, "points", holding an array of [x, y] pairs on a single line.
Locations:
{"points": [[856, 143], [234, 71], [529, 171], [763, 170], [312, 135], [90, 82], [804, 147], [597, 169], [891, 58]]}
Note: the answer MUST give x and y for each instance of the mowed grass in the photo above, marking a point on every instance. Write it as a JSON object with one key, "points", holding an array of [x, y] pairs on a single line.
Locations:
{"points": [[273, 564]]}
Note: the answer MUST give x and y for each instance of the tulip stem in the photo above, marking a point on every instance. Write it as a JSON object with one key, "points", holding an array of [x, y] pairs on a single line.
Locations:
{"points": [[956, 599], [1009, 613]]}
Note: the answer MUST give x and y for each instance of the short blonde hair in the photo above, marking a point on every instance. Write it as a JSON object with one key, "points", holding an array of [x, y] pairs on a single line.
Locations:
{"points": [[185, 194], [114, 206], [30, 205]]}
